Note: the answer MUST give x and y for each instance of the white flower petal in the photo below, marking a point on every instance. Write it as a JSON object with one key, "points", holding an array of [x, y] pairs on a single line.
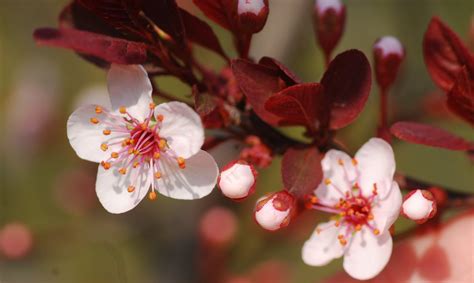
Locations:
{"points": [[112, 187], [324, 246], [193, 182], [376, 165], [338, 169], [387, 209], [181, 127], [86, 137], [129, 86], [367, 254]]}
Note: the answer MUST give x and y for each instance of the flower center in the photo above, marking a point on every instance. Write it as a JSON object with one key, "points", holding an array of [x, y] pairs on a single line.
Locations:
{"points": [[136, 145], [352, 211]]}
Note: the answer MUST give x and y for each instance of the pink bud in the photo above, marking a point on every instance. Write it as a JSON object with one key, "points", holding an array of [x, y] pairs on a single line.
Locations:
{"points": [[252, 15], [329, 22], [237, 180], [16, 241], [419, 206], [218, 226], [388, 55], [274, 211]]}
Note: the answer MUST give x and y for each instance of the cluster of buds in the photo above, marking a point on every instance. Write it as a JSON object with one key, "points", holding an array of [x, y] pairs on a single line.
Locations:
{"points": [[419, 206], [275, 210]]}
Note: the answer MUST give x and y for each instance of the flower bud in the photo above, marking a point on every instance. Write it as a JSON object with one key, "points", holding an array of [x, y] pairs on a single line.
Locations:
{"points": [[388, 55], [419, 206], [237, 180], [16, 241], [252, 15], [275, 210], [329, 21], [256, 152]]}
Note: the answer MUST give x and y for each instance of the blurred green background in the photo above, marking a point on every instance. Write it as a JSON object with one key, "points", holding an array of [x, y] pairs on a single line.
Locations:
{"points": [[50, 191]]}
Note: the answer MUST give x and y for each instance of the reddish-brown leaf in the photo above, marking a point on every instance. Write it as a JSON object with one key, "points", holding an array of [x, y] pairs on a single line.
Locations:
{"points": [[220, 11], [461, 96], [112, 50], [201, 33], [123, 16], [445, 54], [301, 170], [166, 15], [347, 83], [285, 73], [429, 135], [298, 105], [258, 83]]}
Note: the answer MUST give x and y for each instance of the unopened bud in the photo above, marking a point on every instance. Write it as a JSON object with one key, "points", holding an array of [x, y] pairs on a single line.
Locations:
{"points": [[275, 210], [329, 22], [256, 152], [237, 180], [252, 15], [419, 206], [388, 55]]}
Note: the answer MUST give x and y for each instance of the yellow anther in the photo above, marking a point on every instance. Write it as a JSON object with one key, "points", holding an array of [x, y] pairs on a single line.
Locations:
{"points": [[144, 126], [314, 199], [370, 216], [327, 181], [123, 110], [122, 171], [152, 195], [162, 144], [358, 227], [156, 155], [343, 213], [340, 236], [130, 189], [318, 230], [106, 132], [337, 223], [340, 161], [152, 105], [136, 164], [376, 231], [98, 109], [350, 212], [106, 165], [354, 161], [160, 117], [343, 241], [104, 147], [157, 175], [181, 162], [374, 191], [114, 155], [94, 120], [130, 150]]}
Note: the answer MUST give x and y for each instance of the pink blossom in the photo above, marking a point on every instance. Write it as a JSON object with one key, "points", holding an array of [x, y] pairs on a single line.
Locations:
{"points": [[142, 148], [366, 201]]}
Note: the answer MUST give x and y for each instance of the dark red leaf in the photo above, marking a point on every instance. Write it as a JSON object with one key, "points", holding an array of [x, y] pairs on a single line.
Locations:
{"points": [[298, 105], [445, 54], [220, 11], [123, 16], [201, 33], [429, 135], [301, 170], [166, 15], [461, 96], [258, 83], [287, 75], [347, 83], [112, 50]]}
